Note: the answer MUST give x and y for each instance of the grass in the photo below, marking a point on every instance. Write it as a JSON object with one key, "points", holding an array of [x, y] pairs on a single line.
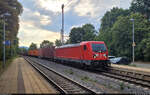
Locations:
{"points": [[86, 78], [122, 86], [69, 71], [6, 64], [133, 65], [128, 87], [110, 86]]}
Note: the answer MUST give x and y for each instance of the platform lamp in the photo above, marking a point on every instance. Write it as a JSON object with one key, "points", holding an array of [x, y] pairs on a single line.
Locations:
{"points": [[4, 20], [133, 43]]}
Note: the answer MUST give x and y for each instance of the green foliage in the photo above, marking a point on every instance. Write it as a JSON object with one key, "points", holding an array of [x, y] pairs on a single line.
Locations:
{"points": [[1, 41], [58, 42], [46, 43], [68, 41], [122, 86], [76, 35], [85, 78], [22, 51], [141, 6], [122, 35], [133, 65], [33, 46], [8, 62], [110, 18], [145, 46], [90, 32], [116, 32], [14, 8], [69, 71], [85, 33], [108, 22]]}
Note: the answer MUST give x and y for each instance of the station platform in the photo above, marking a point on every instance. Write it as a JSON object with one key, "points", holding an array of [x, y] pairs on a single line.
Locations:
{"points": [[139, 69], [21, 77]]}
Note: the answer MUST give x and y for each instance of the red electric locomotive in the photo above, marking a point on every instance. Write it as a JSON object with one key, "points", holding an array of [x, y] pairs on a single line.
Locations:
{"points": [[88, 53]]}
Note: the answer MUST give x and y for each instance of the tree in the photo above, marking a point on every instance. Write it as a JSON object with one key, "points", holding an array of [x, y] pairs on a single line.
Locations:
{"points": [[85, 33], [121, 44], [58, 42], [76, 35], [46, 43], [33, 46], [107, 22], [1, 41], [110, 18], [116, 31], [141, 6], [22, 50], [145, 47], [90, 32], [68, 42], [14, 8]]}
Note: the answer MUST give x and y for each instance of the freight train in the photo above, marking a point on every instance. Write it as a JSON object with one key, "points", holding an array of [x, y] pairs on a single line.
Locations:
{"points": [[84, 54]]}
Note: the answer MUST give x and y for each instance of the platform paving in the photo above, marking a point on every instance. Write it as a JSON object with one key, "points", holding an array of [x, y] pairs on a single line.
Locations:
{"points": [[20, 77], [139, 69]]}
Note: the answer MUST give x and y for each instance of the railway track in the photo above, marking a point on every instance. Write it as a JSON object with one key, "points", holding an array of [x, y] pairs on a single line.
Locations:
{"points": [[133, 77], [61, 82]]}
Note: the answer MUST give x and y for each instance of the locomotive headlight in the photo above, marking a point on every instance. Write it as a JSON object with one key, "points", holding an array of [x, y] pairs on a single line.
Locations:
{"points": [[104, 55], [95, 55]]}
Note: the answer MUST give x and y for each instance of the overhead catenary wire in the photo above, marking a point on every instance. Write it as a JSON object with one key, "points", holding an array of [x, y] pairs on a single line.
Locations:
{"points": [[68, 3]]}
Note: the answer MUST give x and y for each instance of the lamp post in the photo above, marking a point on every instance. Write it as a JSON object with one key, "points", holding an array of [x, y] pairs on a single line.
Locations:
{"points": [[133, 44], [4, 28]]}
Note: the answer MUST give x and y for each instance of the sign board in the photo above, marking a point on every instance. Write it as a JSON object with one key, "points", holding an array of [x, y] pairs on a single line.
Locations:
{"points": [[7, 42], [133, 44]]}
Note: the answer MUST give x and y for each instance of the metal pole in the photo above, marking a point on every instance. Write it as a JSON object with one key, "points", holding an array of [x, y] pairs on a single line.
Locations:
{"points": [[11, 48], [4, 44], [133, 41], [11, 43], [62, 31]]}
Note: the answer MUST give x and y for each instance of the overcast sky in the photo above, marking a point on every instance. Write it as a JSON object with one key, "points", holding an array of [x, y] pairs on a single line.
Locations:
{"points": [[41, 19]]}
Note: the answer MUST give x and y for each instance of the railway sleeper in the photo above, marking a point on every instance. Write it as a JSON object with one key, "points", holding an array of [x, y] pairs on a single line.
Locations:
{"points": [[145, 77]]}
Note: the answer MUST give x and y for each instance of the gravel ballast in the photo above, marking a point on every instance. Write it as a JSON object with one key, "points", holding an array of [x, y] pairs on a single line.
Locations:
{"points": [[97, 82]]}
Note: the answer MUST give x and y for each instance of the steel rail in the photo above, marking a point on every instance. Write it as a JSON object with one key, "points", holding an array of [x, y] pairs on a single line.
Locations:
{"points": [[76, 87], [128, 76], [134, 77], [46, 77]]}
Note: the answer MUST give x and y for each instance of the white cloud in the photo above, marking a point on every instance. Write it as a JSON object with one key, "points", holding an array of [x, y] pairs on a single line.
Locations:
{"points": [[55, 5], [36, 17], [79, 25], [29, 33], [97, 8], [85, 8], [45, 12], [45, 20]]}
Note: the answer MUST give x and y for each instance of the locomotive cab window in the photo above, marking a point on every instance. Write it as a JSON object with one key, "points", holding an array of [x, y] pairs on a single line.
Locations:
{"points": [[84, 47], [98, 48]]}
